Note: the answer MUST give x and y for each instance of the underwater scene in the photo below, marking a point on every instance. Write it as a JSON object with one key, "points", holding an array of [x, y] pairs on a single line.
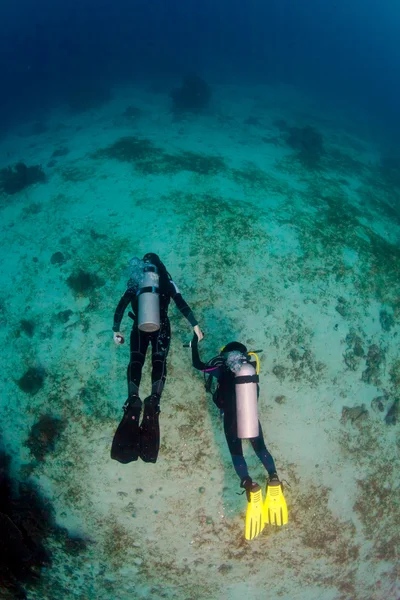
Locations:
{"points": [[200, 300]]}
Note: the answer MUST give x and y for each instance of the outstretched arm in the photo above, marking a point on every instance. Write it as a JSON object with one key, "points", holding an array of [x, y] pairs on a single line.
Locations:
{"points": [[119, 312], [184, 308], [196, 361]]}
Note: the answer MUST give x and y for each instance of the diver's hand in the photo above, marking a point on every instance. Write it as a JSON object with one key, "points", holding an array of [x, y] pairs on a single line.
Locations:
{"points": [[118, 338], [198, 332]]}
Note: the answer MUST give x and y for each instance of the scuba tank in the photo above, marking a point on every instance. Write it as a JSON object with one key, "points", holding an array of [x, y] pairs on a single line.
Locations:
{"points": [[234, 356], [246, 380], [149, 300], [246, 388]]}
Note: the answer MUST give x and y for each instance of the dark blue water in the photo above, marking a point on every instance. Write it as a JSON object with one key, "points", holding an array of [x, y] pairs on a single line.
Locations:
{"points": [[345, 50]]}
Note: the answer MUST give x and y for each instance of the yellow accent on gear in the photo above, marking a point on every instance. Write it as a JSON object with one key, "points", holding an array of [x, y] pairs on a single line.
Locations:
{"points": [[254, 513], [257, 361], [275, 510]]}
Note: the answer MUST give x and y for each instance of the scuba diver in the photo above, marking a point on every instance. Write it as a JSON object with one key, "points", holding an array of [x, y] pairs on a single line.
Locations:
{"points": [[150, 289], [236, 396]]}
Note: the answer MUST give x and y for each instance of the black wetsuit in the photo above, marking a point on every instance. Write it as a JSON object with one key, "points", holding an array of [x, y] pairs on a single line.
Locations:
{"points": [[225, 398], [160, 340]]}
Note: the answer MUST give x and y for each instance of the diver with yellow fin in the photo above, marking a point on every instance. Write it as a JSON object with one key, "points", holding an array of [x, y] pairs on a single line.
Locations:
{"points": [[236, 396]]}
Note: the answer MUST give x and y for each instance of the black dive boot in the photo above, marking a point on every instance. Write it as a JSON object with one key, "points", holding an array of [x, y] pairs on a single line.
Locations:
{"points": [[125, 445], [150, 429]]}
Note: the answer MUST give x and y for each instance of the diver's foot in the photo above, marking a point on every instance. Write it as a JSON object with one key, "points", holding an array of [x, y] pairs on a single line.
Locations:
{"points": [[248, 484], [126, 444], [133, 401], [150, 429]]}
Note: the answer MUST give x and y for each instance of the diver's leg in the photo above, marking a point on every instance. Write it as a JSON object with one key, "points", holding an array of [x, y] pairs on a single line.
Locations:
{"points": [[254, 513], [150, 428], [275, 510], [261, 451], [160, 348], [236, 449], [126, 444], [138, 347]]}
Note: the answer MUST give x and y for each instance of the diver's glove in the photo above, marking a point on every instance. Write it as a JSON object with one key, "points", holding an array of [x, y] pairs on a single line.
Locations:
{"points": [[198, 332]]}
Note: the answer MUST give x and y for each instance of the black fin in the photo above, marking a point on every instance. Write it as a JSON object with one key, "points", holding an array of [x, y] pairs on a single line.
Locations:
{"points": [[150, 429], [126, 443]]}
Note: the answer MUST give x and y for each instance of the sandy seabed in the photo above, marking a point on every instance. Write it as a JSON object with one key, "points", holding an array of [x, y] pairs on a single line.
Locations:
{"points": [[299, 259]]}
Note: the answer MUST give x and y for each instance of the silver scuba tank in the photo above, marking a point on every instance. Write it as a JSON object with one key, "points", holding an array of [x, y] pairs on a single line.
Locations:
{"points": [[246, 402], [149, 300]]}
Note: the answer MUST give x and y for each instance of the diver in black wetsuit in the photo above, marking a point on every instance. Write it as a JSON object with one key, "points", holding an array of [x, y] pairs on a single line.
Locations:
{"points": [[236, 396], [225, 399], [130, 440]]}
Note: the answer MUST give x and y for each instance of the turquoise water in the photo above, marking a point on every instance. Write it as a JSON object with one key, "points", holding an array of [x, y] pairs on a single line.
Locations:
{"points": [[289, 246]]}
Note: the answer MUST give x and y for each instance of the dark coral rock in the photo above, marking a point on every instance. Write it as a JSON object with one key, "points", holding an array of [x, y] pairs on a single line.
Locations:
{"points": [[28, 327], [358, 348], [129, 149], [74, 545], [26, 524], [43, 436], [351, 360], [26, 520], [342, 307], [355, 352], [15, 179], [280, 399], [57, 258], [97, 236], [282, 125], [294, 355], [393, 413], [84, 283], [225, 569], [378, 403], [61, 151], [148, 159], [280, 372], [386, 320], [395, 373], [354, 414], [32, 381], [193, 95], [375, 357], [308, 142], [64, 316], [352, 338]]}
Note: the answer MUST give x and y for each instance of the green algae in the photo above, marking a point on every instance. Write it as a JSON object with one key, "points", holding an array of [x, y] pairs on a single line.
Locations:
{"points": [[150, 159]]}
